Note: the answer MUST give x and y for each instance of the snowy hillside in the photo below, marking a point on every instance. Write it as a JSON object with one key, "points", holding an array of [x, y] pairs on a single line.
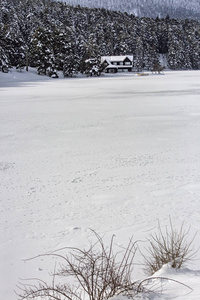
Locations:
{"points": [[151, 8], [114, 153], [56, 36]]}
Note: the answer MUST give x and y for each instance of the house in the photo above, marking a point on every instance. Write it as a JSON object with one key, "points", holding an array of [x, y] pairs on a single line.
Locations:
{"points": [[114, 64]]}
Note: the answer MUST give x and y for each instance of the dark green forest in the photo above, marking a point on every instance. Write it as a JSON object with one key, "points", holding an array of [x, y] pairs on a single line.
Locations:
{"points": [[53, 35]]}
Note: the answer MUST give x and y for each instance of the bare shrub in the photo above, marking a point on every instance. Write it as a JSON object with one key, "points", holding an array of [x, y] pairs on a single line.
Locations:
{"points": [[97, 273], [168, 246]]}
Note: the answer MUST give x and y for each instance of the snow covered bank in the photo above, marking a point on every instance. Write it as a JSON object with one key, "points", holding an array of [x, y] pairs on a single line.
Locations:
{"points": [[112, 153]]}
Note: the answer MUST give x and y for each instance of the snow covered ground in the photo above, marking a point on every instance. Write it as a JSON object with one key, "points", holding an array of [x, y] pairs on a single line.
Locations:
{"points": [[115, 154]]}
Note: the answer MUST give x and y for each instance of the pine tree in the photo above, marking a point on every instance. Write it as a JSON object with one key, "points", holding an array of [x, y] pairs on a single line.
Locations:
{"points": [[5, 48], [41, 54], [139, 55], [4, 64], [176, 49], [71, 62], [93, 67]]}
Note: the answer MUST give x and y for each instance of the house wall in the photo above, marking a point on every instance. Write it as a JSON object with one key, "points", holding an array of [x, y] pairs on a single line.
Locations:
{"points": [[120, 66]]}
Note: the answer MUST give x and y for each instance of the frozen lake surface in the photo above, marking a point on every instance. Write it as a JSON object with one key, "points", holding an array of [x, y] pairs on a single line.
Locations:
{"points": [[115, 154]]}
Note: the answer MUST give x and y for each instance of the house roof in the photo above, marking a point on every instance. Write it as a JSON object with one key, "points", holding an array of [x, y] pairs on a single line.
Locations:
{"points": [[120, 58]]}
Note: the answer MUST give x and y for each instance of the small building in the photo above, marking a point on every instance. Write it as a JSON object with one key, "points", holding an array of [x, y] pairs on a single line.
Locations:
{"points": [[114, 64]]}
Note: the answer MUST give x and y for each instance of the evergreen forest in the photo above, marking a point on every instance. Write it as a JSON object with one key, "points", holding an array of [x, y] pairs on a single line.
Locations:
{"points": [[52, 35]]}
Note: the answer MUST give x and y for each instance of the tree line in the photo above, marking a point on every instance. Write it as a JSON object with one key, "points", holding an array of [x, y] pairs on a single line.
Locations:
{"points": [[55, 36]]}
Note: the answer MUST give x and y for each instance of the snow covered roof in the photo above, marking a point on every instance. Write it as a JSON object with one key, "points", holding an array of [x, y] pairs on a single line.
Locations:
{"points": [[119, 58]]}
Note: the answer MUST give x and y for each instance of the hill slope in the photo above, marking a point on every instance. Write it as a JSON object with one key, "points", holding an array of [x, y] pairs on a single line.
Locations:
{"points": [[151, 8]]}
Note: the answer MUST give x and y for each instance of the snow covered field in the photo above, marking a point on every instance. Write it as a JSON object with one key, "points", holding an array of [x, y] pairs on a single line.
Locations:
{"points": [[115, 154]]}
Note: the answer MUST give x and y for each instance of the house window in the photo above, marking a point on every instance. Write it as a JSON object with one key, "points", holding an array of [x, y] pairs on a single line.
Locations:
{"points": [[121, 63], [127, 63], [115, 63]]}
